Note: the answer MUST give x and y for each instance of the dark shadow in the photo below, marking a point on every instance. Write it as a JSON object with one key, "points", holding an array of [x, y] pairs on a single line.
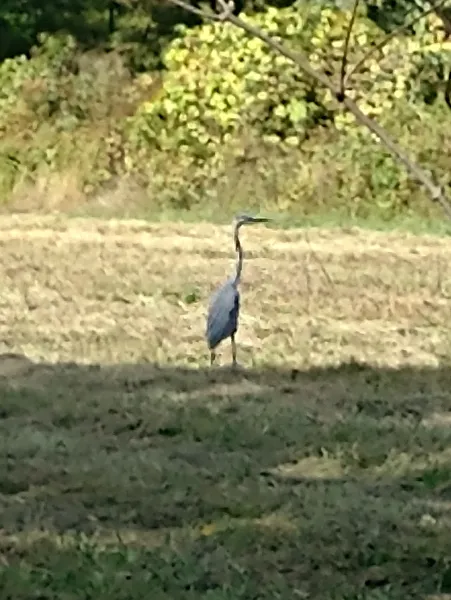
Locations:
{"points": [[330, 475], [22, 22], [95, 24], [103, 24]]}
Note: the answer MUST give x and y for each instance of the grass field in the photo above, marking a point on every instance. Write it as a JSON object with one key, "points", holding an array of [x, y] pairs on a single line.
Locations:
{"points": [[129, 469]]}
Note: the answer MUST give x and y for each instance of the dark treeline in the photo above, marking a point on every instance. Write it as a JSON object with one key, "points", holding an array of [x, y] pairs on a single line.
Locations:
{"points": [[107, 23]]}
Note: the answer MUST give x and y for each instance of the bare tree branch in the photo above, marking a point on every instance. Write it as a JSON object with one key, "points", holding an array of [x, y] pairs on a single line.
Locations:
{"points": [[435, 192], [386, 39], [223, 15], [448, 90], [444, 14], [344, 60]]}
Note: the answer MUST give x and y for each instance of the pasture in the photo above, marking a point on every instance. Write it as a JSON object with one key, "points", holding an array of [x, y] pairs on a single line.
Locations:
{"points": [[129, 469]]}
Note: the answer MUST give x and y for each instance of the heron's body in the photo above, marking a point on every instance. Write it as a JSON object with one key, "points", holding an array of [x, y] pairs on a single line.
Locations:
{"points": [[223, 313], [224, 308]]}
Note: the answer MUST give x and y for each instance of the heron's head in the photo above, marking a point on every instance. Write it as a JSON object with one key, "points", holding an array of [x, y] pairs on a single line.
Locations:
{"points": [[248, 220]]}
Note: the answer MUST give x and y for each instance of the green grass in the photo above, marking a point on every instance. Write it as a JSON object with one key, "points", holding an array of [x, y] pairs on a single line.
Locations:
{"points": [[172, 486], [281, 219], [129, 469]]}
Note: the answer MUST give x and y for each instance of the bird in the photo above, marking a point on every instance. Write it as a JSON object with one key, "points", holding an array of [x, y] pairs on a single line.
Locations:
{"points": [[224, 307]]}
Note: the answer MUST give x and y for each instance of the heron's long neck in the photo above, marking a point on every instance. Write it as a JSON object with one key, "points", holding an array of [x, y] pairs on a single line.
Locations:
{"points": [[239, 261]]}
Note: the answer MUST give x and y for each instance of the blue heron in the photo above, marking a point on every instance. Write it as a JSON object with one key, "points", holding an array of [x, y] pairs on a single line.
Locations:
{"points": [[223, 312]]}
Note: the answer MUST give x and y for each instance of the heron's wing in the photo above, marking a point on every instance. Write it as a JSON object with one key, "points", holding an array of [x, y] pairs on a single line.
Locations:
{"points": [[222, 320]]}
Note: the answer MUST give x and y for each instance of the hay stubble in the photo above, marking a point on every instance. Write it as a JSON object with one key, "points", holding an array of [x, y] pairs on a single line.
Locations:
{"points": [[107, 292]]}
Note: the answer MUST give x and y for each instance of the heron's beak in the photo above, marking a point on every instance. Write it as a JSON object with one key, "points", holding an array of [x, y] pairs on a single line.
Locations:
{"points": [[260, 220]]}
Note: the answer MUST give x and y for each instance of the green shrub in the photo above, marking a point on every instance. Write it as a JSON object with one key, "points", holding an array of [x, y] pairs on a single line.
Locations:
{"points": [[62, 106], [346, 172], [220, 81], [14, 73]]}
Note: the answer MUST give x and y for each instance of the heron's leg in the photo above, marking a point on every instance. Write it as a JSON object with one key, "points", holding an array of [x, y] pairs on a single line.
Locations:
{"points": [[212, 357], [232, 339]]}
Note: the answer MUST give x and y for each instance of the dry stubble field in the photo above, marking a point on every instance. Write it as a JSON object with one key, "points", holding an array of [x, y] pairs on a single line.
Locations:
{"points": [[130, 470]]}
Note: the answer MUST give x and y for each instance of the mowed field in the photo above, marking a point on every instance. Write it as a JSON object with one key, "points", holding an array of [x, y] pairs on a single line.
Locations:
{"points": [[129, 469]]}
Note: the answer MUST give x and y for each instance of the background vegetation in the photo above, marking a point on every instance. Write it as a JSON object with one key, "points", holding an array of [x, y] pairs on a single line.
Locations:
{"points": [[320, 470], [142, 108]]}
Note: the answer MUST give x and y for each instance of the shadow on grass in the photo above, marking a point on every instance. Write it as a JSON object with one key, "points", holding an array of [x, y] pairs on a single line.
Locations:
{"points": [[328, 483]]}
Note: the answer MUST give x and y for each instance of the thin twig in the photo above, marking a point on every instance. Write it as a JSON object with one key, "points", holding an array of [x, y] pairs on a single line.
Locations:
{"points": [[448, 90], [436, 192], [344, 60], [441, 13], [386, 39], [315, 256], [227, 9]]}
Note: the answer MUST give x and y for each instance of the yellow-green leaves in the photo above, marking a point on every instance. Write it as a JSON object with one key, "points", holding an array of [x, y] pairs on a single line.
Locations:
{"points": [[297, 110], [221, 81]]}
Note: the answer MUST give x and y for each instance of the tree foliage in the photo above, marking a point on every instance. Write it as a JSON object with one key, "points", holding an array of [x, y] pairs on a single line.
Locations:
{"points": [[220, 80], [183, 107]]}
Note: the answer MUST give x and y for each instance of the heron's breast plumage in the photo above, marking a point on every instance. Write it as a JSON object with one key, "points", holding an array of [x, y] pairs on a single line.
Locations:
{"points": [[223, 312]]}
